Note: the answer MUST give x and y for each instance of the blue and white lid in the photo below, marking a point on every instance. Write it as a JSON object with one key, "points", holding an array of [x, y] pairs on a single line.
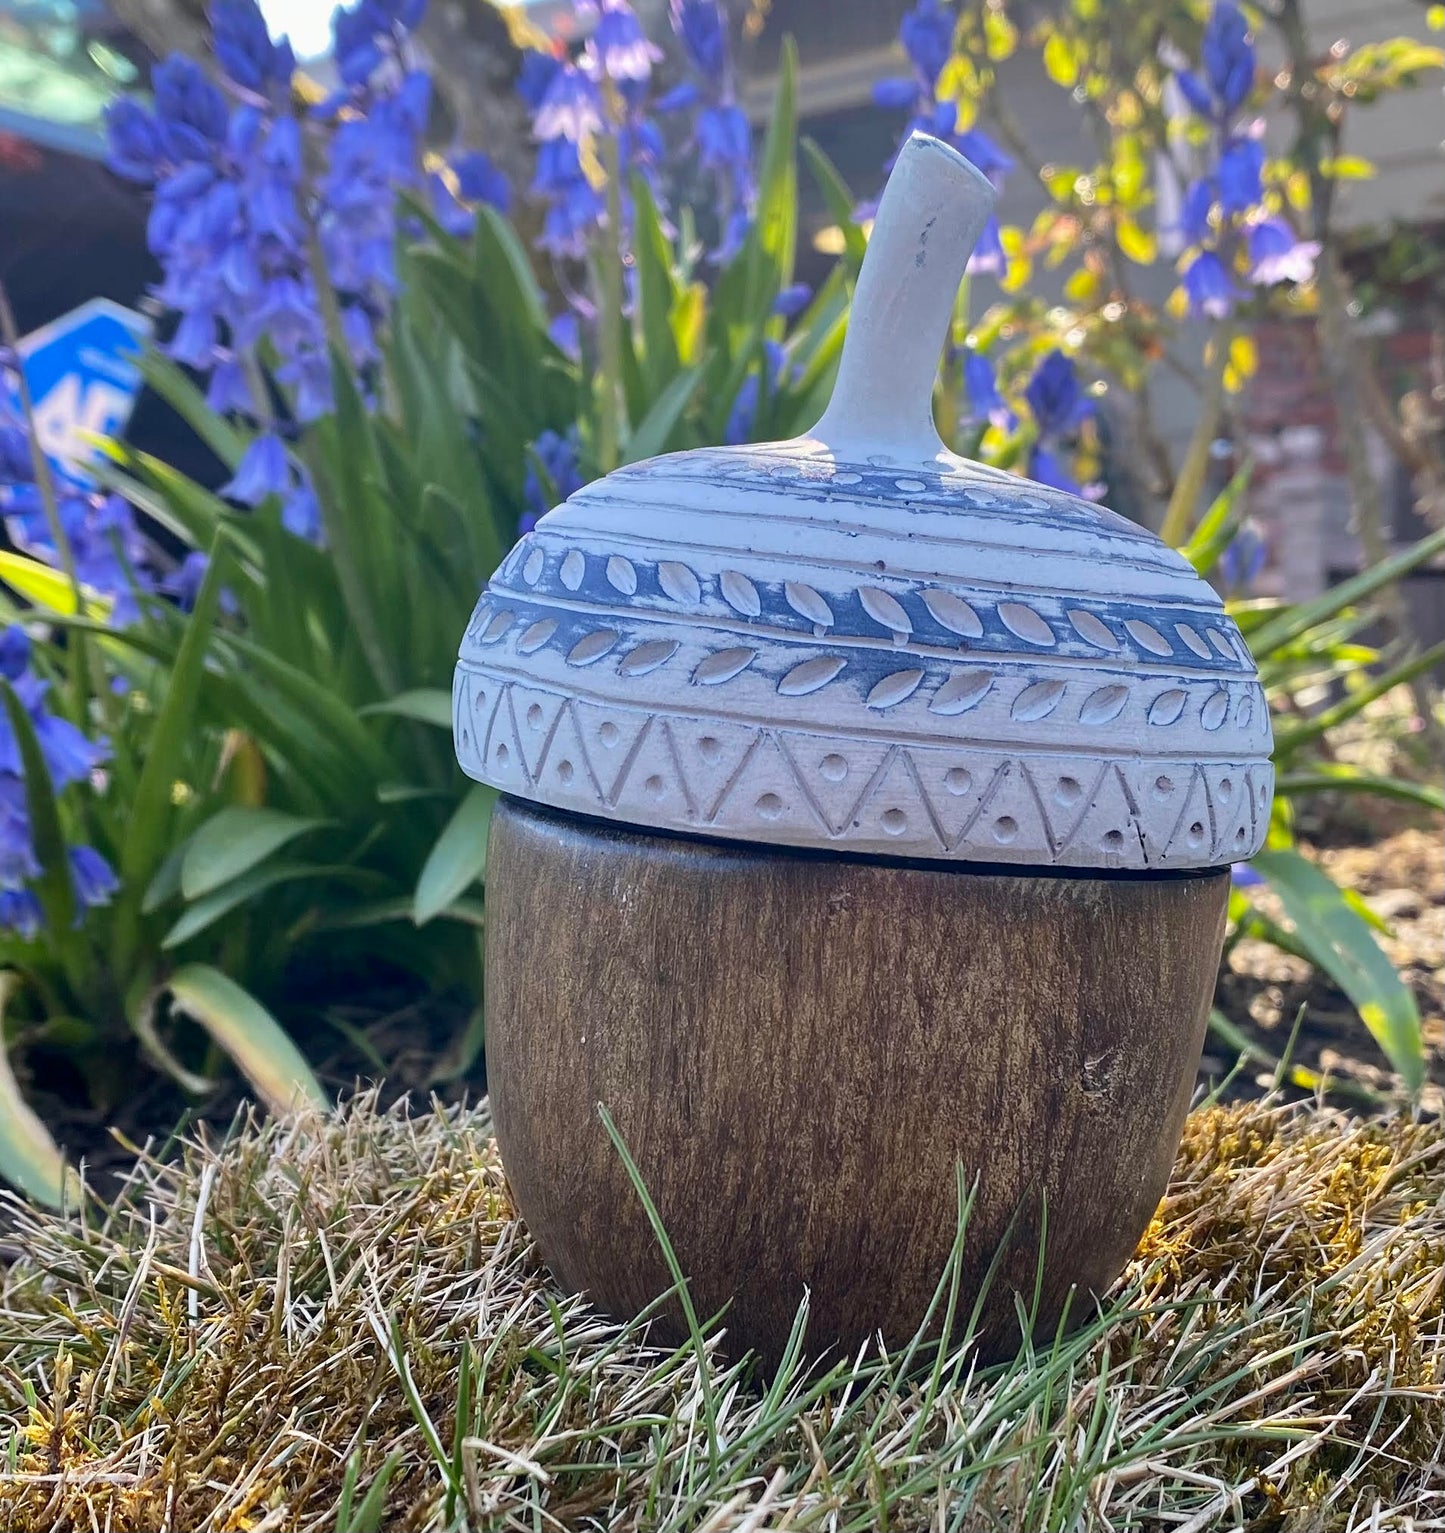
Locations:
{"points": [[859, 641]]}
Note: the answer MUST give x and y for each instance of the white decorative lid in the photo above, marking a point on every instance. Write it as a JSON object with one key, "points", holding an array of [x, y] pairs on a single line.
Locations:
{"points": [[858, 640]]}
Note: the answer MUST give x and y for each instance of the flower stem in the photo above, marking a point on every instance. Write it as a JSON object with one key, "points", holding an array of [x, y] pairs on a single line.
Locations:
{"points": [[1188, 486], [609, 302]]}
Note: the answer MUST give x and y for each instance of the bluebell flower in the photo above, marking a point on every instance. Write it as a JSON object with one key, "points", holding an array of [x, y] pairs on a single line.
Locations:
{"points": [[1277, 255], [981, 386], [701, 27], [1228, 55], [793, 300], [264, 470], [1240, 175], [926, 33], [1058, 404], [70, 755], [133, 141], [1198, 206], [724, 138], [1046, 467], [183, 584], [1243, 876], [1209, 287], [91, 876], [535, 75], [558, 458], [229, 389], [1243, 558], [190, 111], [571, 107], [14, 652], [895, 92], [988, 254], [20, 912], [742, 421], [244, 49], [566, 334], [480, 180], [618, 46], [301, 513]]}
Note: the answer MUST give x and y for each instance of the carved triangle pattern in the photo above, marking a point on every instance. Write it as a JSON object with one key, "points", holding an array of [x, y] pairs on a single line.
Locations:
{"points": [[805, 788]]}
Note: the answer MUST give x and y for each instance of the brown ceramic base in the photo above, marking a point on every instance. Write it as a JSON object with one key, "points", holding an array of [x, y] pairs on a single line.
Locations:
{"points": [[797, 1050]]}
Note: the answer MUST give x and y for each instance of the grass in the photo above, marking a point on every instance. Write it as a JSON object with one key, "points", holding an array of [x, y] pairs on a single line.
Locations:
{"points": [[338, 1323]]}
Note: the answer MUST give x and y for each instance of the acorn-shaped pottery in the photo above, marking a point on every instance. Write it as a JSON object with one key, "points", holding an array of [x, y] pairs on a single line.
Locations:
{"points": [[867, 812]]}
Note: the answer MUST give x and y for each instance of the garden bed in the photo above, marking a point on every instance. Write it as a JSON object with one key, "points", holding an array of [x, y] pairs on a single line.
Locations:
{"points": [[329, 1324]]}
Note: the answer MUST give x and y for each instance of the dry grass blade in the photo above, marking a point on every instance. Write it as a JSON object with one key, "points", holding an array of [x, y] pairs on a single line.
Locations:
{"points": [[337, 1323]]}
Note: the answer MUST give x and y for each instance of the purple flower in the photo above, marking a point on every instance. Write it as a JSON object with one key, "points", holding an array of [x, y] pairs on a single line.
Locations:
{"points": [[1275, 255], [1045, 467], [926, 33], [1228, 56], [14, 652], [984, 400], [479, 180], [1242, 876], [988, 254], [792, 300], [229, 390], [1209, 287], [263, 470], [92, 877], [244, 49], [701, 27], [1198, 204], [301, 513], [897, 91], [183, 584], [1243, 558], [571, 107], [133, 141], [1058, 404], [19, 910], [536, 74], [190, 112], [618, 47], [742, 422], [724, 138], [1241, 175], [553, 473]]}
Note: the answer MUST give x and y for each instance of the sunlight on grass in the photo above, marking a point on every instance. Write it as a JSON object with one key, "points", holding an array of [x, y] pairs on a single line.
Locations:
{"points": [[338, 1323]]}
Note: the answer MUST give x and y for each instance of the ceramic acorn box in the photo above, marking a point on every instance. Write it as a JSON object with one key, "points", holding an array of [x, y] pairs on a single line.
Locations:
{"points": [[867, 812]]}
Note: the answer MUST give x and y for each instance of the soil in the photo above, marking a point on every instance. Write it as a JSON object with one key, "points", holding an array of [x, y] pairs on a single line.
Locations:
{"points": [[1402, 879]]}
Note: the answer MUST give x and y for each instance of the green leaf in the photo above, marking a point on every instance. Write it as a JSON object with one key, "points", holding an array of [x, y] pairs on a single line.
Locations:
{"points": [[53, 888], [428, 705], [1336, 777], [173, 385], [841, 203], [29, 1158], [1341, 944], [205, 912], [656, 427], [44, 586], [1297, 620], [172, 732], [1218, 525], [233, 841], [1289, 737], [249, 1034], [459, 858]]}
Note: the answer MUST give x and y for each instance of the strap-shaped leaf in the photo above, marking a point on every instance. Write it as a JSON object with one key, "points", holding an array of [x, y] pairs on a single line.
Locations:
{"points": [[459, 858], [29, 1158], [233, 841], [253, 1038], [1341, 944]]}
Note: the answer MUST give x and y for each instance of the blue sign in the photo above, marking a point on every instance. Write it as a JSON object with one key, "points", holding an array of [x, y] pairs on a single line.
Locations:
{"points": [[83, 379]]}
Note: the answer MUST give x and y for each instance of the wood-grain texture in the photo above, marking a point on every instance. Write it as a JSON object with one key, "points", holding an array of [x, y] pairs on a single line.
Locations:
{"points": [[798, 1049]]}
